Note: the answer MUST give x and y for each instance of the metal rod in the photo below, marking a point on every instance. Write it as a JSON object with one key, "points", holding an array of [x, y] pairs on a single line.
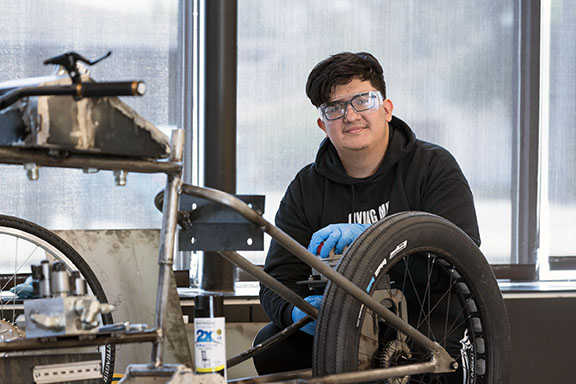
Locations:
{"points": [[25, 156], [266, 344], [275, 377], [21, 345], [442, 357], [166, 254], [142, 370], [371, 375], [271, 283]]}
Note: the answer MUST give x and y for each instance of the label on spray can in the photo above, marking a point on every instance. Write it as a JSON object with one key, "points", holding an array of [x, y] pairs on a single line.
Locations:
{"points": [[210, 344]]}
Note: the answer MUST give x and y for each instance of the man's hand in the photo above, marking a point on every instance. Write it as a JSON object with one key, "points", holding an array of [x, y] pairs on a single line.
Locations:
{"points": [[335, 236], [297, 314]]}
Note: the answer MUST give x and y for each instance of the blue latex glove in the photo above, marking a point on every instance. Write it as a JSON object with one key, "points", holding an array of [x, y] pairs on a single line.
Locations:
{"points": [[297, 314], [24, 290], [335, 236]]}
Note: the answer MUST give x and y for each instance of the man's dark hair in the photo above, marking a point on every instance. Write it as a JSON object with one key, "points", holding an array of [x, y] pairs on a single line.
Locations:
{"points": [[340, 69]]}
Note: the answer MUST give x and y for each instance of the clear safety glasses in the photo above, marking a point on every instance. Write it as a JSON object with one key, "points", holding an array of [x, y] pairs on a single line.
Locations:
{"points": [[361, 102]]}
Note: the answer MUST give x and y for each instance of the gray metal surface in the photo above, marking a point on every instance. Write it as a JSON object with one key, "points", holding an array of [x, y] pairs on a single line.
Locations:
{"points": [[57, 316], [104, 126], [125, 263], [57, 373]]}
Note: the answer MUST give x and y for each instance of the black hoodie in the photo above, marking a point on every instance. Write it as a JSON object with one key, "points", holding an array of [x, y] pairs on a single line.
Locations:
{"points": [[414, 176]]}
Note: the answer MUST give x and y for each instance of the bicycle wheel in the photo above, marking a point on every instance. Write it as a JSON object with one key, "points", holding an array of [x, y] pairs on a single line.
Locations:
{"points": [[24, 244], [429, 273]]}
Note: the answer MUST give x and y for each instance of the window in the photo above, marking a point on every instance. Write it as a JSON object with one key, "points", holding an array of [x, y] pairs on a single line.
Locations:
{"points": [[142, 35], [558, 156], [451, 71]]}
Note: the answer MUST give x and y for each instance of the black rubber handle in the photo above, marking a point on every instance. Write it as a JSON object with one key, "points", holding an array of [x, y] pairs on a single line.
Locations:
{"points": [[119, 88]]}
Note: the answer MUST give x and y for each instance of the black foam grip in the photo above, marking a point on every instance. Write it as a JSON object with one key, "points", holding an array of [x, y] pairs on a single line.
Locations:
{"points": [[119, 88]]}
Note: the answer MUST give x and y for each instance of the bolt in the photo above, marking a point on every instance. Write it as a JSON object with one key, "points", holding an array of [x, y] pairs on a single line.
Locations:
{"points": [[31, 171], [120, 177]]}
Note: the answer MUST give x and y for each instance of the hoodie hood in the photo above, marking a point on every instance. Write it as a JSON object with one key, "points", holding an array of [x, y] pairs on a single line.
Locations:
{"points": [[402, 140]]}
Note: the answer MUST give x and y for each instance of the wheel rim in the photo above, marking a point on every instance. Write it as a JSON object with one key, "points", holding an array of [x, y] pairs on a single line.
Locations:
{"points": [[440, 306]]}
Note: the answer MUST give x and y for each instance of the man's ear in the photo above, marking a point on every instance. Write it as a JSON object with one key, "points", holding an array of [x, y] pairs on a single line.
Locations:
{"points": [[321, 124], [388, 107]]}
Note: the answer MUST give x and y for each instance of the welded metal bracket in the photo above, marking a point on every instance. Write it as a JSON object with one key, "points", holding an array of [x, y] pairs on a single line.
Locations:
{"points": [[209, 226]]}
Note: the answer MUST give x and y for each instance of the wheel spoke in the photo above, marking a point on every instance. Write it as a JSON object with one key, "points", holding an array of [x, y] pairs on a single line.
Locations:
{"points": [[17, 267], [421, 299]]}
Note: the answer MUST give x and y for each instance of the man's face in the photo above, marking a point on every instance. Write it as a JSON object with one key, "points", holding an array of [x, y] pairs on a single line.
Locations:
{"points": [[357, 131]]}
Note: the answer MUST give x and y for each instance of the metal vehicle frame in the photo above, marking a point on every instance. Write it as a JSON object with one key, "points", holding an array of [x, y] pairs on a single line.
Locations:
{"points": [[440, 360]]}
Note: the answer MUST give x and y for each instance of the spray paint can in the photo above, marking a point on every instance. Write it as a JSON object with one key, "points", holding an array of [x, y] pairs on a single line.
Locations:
{"points": [[209, 334]]}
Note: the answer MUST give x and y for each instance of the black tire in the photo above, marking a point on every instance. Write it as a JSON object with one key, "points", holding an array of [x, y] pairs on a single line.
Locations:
{"points": [[49, 242], [450, 292]]}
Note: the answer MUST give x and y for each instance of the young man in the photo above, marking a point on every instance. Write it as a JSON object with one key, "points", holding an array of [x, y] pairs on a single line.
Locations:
{"points": [[369, 166]]}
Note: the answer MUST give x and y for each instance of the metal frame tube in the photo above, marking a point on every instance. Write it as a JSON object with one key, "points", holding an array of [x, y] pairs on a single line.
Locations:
{"points": [[271, 282], [87, 161], [273, 340], [166, 253], [301, 375], [371, 375], [25, 345]]}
